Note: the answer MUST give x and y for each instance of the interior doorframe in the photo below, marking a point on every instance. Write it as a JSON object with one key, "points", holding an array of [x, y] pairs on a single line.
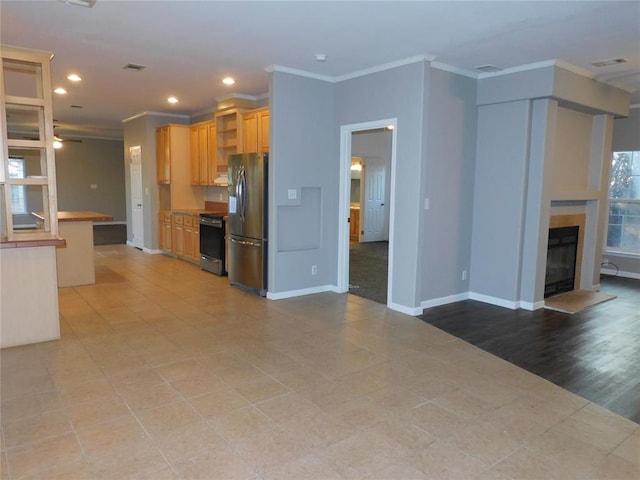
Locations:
{"points": [[345, 193]]}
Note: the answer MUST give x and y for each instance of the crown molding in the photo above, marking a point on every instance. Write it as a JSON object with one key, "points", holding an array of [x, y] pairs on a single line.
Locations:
{"points": [[355, 74], [450, 68], [236, 95], [299, 73], [385, 66], [157, 114]]}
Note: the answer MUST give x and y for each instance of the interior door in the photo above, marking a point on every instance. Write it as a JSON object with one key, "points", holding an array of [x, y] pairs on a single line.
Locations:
{"points": [[372, 221], [137, 206]]}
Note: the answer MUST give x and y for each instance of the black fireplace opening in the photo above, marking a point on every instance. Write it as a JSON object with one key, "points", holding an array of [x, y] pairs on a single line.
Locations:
{"points": [[561, 260]]}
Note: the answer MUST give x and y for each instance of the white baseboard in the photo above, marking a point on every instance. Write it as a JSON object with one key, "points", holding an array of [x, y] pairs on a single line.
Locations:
{"points": [[152, 251], [606, 271], [413, 311], [500, 302], [532, 306], [301, 292], [436, 302]]}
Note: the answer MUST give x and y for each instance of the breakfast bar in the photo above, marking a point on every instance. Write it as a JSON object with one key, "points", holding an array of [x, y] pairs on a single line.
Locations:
{"points": [[75, 263]]}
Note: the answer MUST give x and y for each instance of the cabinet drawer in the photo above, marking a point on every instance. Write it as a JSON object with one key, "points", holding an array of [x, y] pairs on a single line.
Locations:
{"points": [[178, 219], [188, 221]]}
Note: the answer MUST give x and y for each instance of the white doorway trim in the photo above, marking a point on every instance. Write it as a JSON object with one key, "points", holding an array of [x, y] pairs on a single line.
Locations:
{"points": [[345, 193]]}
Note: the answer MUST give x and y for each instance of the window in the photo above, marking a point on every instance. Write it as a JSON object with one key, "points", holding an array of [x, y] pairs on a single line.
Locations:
{"points": [[623, 234], [18, 198]]}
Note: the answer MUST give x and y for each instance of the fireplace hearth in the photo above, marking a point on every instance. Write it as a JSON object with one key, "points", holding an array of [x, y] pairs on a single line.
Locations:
{"points": [[561, 260]]}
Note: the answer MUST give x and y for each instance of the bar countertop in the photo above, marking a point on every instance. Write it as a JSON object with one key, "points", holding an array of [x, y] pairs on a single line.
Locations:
{"points": [[78, 216]]}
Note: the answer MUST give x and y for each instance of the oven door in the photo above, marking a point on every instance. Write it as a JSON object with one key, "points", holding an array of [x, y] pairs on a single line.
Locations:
{"points": [[212, 245]]}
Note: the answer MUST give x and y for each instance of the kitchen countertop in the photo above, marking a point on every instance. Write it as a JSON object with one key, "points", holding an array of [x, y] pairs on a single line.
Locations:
{"points": [[198, 211]]}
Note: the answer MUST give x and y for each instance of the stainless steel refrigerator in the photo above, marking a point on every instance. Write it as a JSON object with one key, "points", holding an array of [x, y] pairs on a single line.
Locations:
{"points": [[247, 222]]}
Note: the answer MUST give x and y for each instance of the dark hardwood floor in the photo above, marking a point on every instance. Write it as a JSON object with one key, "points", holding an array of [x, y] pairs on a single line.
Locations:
{"points": [[594, 353]]}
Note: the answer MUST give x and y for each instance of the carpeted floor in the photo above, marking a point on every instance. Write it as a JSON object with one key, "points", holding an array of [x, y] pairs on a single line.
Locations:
{"points": [[368, 270]]}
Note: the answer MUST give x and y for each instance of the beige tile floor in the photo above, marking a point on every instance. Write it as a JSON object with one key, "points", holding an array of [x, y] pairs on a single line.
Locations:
{"points": [[166, 372]]}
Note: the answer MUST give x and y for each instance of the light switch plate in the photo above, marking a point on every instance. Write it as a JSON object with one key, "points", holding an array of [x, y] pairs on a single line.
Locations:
{"points": [[292, 194]]}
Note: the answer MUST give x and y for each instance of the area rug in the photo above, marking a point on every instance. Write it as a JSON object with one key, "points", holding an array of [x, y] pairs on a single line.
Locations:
{"points": [[575, 301]]}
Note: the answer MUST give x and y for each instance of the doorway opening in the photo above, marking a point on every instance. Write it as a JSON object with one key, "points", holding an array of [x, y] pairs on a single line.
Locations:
{"points": [[367, 188]]}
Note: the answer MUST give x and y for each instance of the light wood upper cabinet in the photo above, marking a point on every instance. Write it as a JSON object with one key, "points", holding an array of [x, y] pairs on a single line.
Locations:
{"points": [[199, 153], [255, 131], [212, 153], [163, 154], [263, 130]]}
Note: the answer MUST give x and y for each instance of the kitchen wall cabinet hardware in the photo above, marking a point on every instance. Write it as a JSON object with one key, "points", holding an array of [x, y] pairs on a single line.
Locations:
{"points": [[28, 174], [255, 131]]}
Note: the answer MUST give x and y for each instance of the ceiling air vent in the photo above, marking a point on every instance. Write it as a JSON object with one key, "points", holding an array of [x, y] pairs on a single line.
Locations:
{"points": [[489, 68], [76, 106], [81, 3], [134, 67], [612, 61]]}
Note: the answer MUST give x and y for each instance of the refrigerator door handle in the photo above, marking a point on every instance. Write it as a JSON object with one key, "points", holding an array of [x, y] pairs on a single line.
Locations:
{"points": [[246, 243], [241, 189]]}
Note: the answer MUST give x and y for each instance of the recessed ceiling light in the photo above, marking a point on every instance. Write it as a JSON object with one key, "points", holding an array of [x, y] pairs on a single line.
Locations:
{"points": [[57, 144], [228, 81], [389, 127], [320, 57], [172, 100], [60, 91], [74, 77], [611, 61]]}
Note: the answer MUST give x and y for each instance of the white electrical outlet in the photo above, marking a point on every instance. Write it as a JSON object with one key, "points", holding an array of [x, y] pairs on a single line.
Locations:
{"points": [[314, 269], [464, 274]]}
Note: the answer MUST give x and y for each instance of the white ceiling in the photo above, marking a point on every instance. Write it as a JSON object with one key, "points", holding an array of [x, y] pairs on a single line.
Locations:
{"points": [[188, 46]]}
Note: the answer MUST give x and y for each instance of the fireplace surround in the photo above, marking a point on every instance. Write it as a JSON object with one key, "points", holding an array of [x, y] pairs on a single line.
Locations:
{"points": [[564, 253]]}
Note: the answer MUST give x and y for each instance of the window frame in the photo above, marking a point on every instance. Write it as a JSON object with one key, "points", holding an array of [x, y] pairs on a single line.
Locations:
{"points": [[617, 250]]}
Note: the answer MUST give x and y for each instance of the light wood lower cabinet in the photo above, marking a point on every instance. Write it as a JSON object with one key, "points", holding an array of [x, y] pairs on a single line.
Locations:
{"points": [[191, 235], [354, 224], [180, 235], [165, 231]]}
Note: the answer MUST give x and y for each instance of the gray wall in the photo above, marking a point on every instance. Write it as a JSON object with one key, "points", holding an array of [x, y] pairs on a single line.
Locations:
{"points": [[93, 161], [626, 137], [434, 156], [449, 172], [500, 189], [395, 93], [303, 157], [142, 131]]}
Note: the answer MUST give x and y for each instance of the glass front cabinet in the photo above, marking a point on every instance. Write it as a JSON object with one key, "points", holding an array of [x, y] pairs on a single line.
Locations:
{"points": [[28, 200]]}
